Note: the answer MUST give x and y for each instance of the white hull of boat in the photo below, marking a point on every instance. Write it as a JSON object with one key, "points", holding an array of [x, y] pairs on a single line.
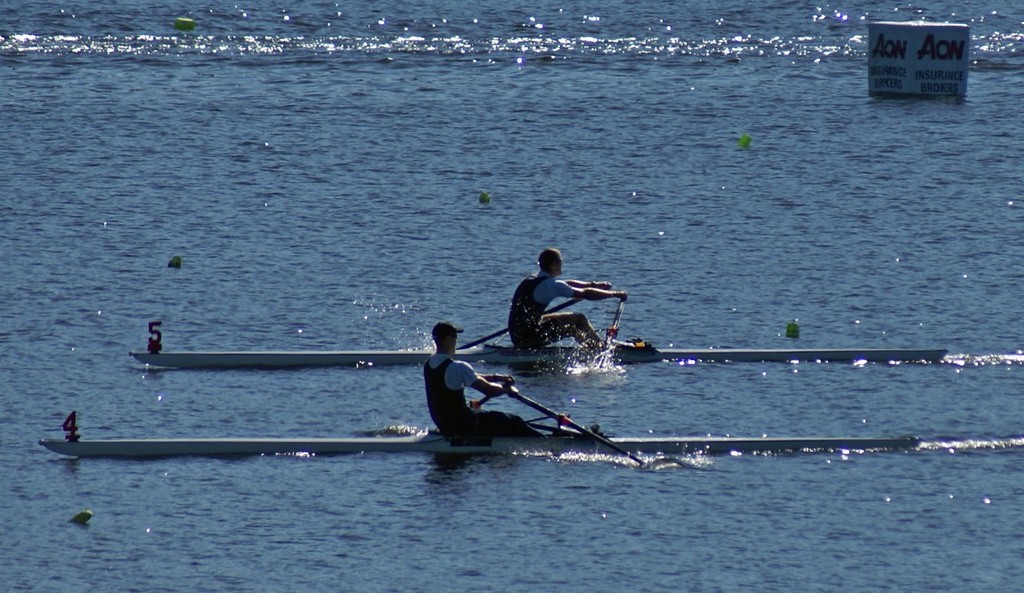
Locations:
{"points": [[434, 443], [493, 354]]}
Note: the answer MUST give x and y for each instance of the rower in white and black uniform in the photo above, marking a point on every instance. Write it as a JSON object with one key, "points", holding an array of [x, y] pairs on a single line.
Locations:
{"points": [[446, 380], [530, 327]]}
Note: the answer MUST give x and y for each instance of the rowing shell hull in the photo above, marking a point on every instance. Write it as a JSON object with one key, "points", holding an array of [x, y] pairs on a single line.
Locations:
{"points": [[433, 443], [504, 355]]}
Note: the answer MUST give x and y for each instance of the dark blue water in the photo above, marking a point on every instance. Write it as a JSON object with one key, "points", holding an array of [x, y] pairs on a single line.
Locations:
{"points": [[317, 166]]}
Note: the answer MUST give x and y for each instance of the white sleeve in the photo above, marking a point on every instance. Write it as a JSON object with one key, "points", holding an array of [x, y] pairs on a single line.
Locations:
{"points": [[550, 289], [563, 289], [459, 375]]}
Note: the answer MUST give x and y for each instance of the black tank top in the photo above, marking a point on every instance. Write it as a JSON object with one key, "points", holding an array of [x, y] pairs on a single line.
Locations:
{"points": [[447, 406], [525, 313]]}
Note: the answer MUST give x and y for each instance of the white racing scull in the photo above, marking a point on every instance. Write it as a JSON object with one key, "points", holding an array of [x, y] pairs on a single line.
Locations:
{"points": [[435, 443], [565, 436], [497, 354], [480, 351]]}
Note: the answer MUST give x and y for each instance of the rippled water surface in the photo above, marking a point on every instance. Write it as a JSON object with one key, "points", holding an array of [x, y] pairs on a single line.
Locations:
{"points": [[317, 167]]}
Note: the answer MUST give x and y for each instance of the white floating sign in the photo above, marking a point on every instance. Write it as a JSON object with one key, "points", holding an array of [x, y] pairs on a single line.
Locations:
{"points": [[918, 58]]}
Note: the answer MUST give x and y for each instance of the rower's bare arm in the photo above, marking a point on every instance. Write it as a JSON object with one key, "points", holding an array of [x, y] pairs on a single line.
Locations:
{"points": [[599, 294], [581, 285], [491, 388]]}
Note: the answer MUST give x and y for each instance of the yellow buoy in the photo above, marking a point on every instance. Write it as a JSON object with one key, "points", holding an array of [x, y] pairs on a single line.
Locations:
{"points": [[82, 518], [184, 24]]}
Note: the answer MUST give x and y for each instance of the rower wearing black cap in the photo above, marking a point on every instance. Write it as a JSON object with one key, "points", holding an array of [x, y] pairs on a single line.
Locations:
{"points": [[446, 380]]}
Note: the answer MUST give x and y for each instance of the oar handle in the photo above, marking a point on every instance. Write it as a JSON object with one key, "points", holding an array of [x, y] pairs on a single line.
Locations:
{"points": [[476, 404], [563, 419], [504, 331]]}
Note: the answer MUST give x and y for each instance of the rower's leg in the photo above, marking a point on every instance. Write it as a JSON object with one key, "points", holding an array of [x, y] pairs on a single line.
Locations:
{"points": [[571, 325], [503, 424]]}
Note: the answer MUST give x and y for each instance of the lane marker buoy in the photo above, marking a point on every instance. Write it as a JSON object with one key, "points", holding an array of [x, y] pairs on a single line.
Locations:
{"points": [[82, 517]]}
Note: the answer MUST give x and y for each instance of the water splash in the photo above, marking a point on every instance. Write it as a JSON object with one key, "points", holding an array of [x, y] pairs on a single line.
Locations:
{"points": [[979, 360], [972, 444]]}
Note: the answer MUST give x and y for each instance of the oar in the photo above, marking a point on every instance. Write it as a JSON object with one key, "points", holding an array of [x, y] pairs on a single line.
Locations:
{"points": [[504, 331], [562, 419]]}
